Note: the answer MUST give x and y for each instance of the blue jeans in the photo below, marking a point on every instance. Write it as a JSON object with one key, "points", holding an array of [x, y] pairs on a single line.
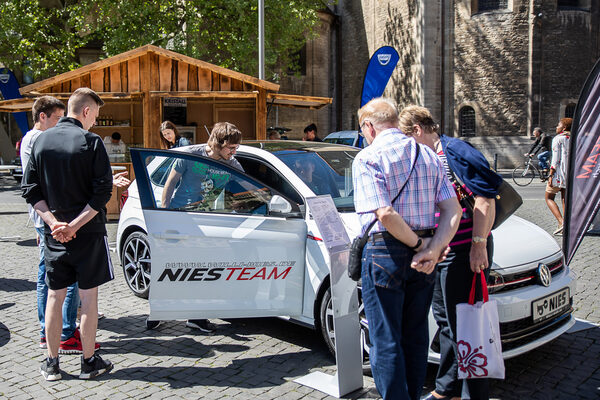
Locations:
{"points": [[543, 159], [69, 310], [396, 300]]}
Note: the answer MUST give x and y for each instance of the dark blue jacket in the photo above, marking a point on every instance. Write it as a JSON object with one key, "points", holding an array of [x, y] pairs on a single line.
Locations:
{"points": [[471, 167], [69, 169]]}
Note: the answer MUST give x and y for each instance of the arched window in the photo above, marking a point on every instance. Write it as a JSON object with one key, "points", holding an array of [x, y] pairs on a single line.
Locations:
{"points": [[491, 5], [570, 110], [583, 5], [466, 121]]}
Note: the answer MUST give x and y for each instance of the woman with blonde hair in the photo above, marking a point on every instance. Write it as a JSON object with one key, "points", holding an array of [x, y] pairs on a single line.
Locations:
{"points": [[470, 249]]}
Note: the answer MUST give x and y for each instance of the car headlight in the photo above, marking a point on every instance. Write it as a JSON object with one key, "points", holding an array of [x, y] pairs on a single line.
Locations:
{"points": [[495, 282]]}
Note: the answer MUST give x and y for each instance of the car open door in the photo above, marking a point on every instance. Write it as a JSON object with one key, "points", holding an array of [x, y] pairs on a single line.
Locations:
{"points": [[224, 246]]}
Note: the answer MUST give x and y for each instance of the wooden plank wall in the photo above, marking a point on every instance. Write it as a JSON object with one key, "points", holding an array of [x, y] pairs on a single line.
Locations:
{"points": [[153, 72], [165, 75]]}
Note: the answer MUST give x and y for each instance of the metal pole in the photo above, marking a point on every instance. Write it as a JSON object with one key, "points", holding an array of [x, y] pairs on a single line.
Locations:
{"points": [[261, 39]]}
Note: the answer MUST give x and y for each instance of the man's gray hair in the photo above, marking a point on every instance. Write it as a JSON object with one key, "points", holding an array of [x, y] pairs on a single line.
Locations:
{"points": [[380, 111]]}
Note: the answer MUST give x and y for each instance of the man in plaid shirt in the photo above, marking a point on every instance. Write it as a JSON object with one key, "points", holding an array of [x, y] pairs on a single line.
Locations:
{"points": [[403, 246]]}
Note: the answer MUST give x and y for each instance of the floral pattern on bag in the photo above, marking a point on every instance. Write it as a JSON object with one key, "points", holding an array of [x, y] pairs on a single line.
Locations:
{"points": [[470, 362]]}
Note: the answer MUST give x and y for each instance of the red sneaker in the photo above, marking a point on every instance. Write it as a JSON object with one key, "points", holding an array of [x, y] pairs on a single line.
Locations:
{"points": [[73, 344], [43, 344]]}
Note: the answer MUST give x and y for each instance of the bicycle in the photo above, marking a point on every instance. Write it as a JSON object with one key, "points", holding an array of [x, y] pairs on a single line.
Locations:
{"points": [[524, 175]]}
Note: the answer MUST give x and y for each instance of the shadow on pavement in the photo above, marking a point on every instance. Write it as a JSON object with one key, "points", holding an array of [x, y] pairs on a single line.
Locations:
{"points": [[567, 367], [185, 346], [27, 243], [16, 285], [278, 329], [4, 334], [12, 212], [251, 372], [240, 330]]}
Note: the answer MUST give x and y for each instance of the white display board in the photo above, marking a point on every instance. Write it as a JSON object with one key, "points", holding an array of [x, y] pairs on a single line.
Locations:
{"points": [[348, 377]]}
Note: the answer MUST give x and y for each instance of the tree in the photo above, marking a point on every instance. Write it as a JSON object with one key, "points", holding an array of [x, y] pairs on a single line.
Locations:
{"points": [[223, 32]]}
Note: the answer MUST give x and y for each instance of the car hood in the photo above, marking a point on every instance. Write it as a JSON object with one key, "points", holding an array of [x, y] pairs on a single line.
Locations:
{"points": [[516, 241]]}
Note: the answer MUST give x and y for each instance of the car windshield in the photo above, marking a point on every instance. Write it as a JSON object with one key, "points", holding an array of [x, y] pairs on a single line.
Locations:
{"points": [[324, 171]]}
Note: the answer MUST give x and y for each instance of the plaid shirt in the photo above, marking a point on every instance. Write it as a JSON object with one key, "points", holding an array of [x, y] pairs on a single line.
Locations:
{"points": [[380, 170]]}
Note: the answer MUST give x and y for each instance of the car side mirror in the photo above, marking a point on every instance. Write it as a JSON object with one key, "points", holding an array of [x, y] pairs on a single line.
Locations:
{"points": [[278, 206]]}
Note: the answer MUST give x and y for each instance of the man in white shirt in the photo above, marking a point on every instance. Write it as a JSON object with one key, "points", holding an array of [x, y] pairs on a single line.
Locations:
{"points": [[114, 145]]}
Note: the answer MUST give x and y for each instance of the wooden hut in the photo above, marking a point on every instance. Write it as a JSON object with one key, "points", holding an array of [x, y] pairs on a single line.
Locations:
{"points": [[144, 86]]}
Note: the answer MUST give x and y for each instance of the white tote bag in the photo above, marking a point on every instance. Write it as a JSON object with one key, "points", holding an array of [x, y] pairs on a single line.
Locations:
{"points": [[479, 350]]}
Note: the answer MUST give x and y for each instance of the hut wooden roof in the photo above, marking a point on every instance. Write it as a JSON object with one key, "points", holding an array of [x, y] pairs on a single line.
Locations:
{"points": [[149, 68]]}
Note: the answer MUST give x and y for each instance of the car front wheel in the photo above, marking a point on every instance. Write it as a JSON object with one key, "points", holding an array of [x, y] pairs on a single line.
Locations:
{"points": [[327, 331], [135, 259]]}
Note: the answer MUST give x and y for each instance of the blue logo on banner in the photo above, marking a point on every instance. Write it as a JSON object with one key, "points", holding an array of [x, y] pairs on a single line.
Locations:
{"points": [[10, 90], [380, 69]]}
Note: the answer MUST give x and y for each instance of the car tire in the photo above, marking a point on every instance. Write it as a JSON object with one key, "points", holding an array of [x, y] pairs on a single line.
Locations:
{"points": [[135, 259], [152, 324], [327, 331]]}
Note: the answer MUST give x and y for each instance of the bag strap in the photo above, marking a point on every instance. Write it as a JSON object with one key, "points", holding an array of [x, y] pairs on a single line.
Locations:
{"points": [[484, 289], [401, 189], [461, 188]]}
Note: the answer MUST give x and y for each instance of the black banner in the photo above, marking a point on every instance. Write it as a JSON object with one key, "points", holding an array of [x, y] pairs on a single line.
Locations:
{"points": [[583, 182]]}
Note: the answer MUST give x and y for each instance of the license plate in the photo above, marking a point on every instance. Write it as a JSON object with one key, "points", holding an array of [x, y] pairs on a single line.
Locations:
{"points": [[551, 305]]}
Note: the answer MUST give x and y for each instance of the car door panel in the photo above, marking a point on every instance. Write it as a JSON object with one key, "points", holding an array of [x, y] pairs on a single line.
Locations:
{"points": [[220, 264]]}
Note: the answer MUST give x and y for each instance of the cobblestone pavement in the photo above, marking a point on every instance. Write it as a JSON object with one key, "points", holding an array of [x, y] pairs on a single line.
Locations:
{"points": [[247, 358]]}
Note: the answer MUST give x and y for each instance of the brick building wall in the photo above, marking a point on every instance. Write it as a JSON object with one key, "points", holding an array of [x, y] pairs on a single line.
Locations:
{"points": [[490, 68], [520, 67], [318, 80], [569, 42], [364, 26]]}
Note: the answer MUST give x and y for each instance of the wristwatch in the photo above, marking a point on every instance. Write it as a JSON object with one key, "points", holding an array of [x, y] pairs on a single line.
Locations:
{"points": [[419, 243], [478, 239]]}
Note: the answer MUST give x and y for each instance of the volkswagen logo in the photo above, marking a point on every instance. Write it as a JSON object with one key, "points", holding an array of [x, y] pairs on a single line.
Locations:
{"points": [[543, 274]]}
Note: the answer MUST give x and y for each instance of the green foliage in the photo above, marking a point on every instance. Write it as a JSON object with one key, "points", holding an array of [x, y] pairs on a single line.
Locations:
{"points": [[223, 32]]}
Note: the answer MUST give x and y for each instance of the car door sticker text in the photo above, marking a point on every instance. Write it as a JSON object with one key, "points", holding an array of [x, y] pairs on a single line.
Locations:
{"points": [[212, 271]]}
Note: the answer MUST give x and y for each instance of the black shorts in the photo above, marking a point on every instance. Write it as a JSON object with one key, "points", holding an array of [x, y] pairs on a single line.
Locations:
{"points": [[85, 259]]}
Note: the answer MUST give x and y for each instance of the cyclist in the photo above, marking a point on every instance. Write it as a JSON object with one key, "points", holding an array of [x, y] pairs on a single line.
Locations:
{"points": [[542, 142]]}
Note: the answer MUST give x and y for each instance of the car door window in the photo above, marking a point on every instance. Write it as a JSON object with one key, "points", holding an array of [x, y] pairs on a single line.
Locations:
{"points": [[160, 174], [195, 183], [267, 174]]}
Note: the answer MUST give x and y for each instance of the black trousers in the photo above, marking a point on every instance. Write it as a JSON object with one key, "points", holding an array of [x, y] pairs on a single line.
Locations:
{"points": [[452, 286]]}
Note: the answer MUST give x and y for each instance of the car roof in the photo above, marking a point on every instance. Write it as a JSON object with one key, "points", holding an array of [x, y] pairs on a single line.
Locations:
{"points": [[342, 134], [274, 146]]}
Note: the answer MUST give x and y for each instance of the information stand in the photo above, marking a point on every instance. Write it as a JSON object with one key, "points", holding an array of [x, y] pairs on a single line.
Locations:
{"points": [[348, 351]]}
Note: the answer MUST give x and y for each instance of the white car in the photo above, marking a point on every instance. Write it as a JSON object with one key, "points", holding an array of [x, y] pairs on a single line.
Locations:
{"points": [[247, 247]]}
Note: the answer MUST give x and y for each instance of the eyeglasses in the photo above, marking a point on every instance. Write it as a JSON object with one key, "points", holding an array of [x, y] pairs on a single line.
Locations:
{"points": [[232, 147], [360, 128]]}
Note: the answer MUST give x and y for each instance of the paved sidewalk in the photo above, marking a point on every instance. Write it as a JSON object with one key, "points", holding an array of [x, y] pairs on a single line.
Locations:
{"points": [[245, 358]]}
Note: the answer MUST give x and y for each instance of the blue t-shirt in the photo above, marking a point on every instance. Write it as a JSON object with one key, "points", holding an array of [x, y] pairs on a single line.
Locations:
{"points": [[199, 179]]}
